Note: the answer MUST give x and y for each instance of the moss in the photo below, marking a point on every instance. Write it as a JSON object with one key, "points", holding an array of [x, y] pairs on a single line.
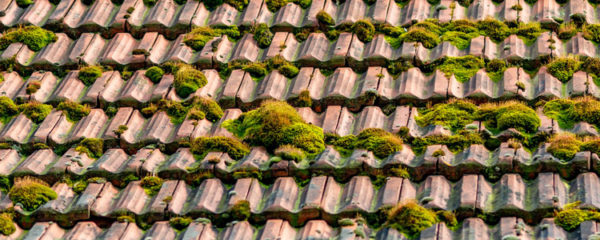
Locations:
{"points": [[288, 70], [592, 146], [93, 147], [325, 19], [567, 30], [211, 109], [379, 141], [263, 35], [571, 216], [8, 109], [303, 3], [463, 68], [517, 7], [256, 69], [564, 146], [568, 112], [346, 222], [495, 69], [125, 218], [455, 115], [24, 3], [33, 37], [410, 218], [35, 111], [496, 30], [180, 223], [399, 172], [529, 31], [274, 124], [564, 68], [188, 80], [233, 147], [460, 40], [509, 115], [417, 34], [304, 99], [33, 86], [120, 130], [74, 111], [448, 218], [151, 184], [199, 36], [592, 32], [399, 66], [240, 211], [284, 67], [31, 193], [79, 186], [154, 74], [7, 226], [364, 30], [455, 143], [275, 5], [289, 152], [89, 74]]}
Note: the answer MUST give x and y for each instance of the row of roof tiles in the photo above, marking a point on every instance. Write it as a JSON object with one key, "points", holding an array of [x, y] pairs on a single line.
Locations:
{"points": [[322, 198], [115, 163], [471, 229], [317, 50], [166, 15], [344, 87]]}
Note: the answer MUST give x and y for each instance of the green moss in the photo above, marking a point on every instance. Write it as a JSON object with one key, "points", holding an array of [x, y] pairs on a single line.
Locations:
{"points": [[592, 32], [495, 69], [529, 32], [35, 111], [31, 193], [303, 3], [304, 99], [24, 3], [288, 70], [74, 111], [448, 218], [463, 68], [509, 115], [7, 226], [33, 37], [460, 40], [180, 223], [93, 147], [240, 211], [572, 216], [188, 80], [125, 218], [263, 35], [564, 146], [417, 34], [344, 144], [8, 109], [289, 152], [199, 36], [325, 19], [364, 30], [495, 29], [564, 68], [120, 130], [379, 141], [455, 143], [274, 5], [567, 30], [33, 86], [233, 147], [154, 74], [411, 218], [592, 146], [274, 124], [151, 184], [561, 110], [346, 222], [284, 67], [89, 74], [455, 115], [211, 109], [79, 186], [256, 69]]}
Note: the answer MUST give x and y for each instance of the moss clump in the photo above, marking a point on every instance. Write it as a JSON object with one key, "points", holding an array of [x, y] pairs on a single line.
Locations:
{"points": [[7, 226], [529, 32], [564, 146], [511, 114], [199, 36], [364, 30], [592, 32], [233, 147], [325, 19], [256, 69], [564, 68], [33, 37], [120, 130], [180, 223], [125, 218], [495, 29], [304, 99], [284, 67], [463, 68], [460, 40], [495, 69], [455, 143], [188, 80], [456, 114], [379, 141], [274, 124], [240, 211], [93, 147], [567, 30], [24, 3], [35, 111], [263, 35], [274, 5], [410, 218], [154, 74], [89, 74], [211, 109], [151, 184], [33, 86], [592, 146], [418, 34], [289, 152], [31, 193], [568, 112], [571, 216], [74, 111], [8, 109], [177, 111]]}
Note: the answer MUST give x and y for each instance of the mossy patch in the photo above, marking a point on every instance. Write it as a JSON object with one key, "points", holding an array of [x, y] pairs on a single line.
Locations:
{"points": [[188, 80], [571, 216], [568, 112], [154, 74], [7, 226], [233, 147], [151, 184], [199, 36], [93, 147], [463, 68], [33, 37], [35, 111], [459, 141], [511, 114], [455, 114], [564, 146], [89, 74], [564, 68], [74, 111], [263, 35], [180, 223], [8, 109], [31, 193], [411, 219], [495, 69]]}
